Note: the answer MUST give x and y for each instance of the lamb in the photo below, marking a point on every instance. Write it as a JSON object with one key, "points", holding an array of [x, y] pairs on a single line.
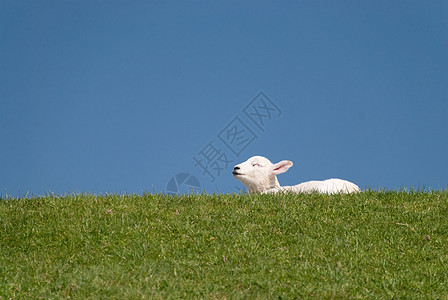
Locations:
{"points": [[258, 174]]}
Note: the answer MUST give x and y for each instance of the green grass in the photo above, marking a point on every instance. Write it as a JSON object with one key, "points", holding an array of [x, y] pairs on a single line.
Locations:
{"points": [[369, 245]]}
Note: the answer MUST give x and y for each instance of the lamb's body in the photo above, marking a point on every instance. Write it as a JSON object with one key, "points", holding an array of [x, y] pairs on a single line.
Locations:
{"points": [[259, 175], [329, 186]]}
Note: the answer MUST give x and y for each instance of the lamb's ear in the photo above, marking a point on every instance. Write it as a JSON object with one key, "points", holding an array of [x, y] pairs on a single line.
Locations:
{"points": [[281, 167]]}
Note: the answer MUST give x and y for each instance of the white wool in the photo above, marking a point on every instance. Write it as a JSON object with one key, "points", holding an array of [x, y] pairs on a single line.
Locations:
{"points": [[259, 175]]}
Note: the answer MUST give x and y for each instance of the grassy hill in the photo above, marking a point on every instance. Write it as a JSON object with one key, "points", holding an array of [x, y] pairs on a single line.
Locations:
{"points": [[368, 245]]}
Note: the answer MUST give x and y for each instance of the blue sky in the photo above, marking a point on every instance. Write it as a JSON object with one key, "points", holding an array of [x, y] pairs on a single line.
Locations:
{"points": [[120, 96]]}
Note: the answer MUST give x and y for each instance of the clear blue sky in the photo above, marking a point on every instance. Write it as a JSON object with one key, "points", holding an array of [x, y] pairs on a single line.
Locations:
{"points": [[119, 96]]}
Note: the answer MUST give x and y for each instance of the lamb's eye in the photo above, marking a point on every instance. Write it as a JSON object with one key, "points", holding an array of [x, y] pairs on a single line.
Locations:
{"points": [[256, 165]]}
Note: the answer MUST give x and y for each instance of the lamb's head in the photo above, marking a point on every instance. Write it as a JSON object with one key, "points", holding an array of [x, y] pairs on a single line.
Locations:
{"points": [[259, 174]]}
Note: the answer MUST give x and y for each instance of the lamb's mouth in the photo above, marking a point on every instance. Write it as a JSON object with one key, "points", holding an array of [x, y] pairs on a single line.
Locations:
{"points": [[235, 173]]}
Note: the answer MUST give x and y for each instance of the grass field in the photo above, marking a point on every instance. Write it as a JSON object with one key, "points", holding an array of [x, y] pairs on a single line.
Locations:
{"points": [[369, 245]]}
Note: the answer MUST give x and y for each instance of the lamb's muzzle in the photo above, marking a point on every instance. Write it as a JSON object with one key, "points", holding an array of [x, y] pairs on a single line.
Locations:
{"points": [[235, 171], [259, 175]]}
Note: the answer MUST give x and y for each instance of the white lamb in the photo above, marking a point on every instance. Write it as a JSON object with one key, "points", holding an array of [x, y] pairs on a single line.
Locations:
{"points": [[259, 175]]}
